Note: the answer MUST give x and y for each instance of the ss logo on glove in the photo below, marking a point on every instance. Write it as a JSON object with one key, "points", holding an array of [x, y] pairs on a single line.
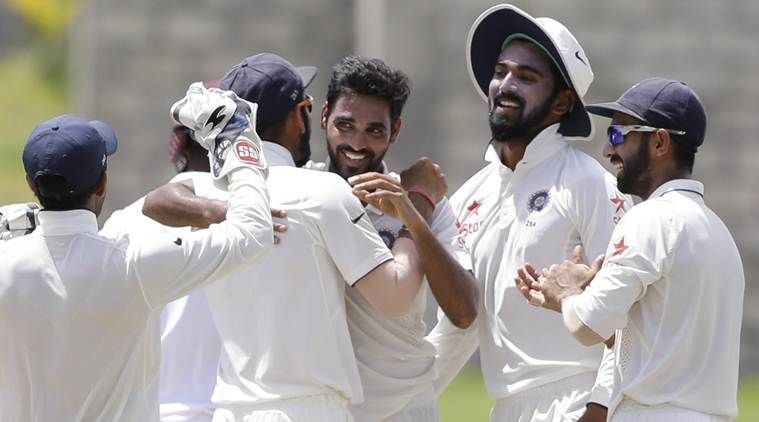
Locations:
{"points": [[247, 151]]}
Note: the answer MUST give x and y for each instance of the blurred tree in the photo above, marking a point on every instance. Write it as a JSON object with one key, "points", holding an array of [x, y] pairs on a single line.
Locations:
{"points": [[49, 19]]}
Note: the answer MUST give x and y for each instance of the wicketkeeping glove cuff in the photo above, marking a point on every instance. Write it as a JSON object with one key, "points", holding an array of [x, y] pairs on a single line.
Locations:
{"points": [[224, 124]]}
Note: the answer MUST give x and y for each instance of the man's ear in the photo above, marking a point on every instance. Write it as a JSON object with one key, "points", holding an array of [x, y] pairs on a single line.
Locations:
{"points": [[31, 185], [102, 185], [564, 102], [325, 115], [661, 143], [395, 129]]}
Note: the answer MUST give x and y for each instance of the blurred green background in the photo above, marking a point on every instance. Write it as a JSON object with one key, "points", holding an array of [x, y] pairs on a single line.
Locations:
{"points": [[35, 88]]}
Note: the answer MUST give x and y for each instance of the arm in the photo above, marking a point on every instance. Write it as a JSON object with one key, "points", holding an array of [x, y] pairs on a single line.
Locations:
{"points": [[454, 288], [175, 205]]}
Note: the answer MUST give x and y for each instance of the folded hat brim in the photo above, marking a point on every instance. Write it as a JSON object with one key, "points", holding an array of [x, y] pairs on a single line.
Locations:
{"points": [[108, 135], [484, 45], [608, 110], [307, 74]]}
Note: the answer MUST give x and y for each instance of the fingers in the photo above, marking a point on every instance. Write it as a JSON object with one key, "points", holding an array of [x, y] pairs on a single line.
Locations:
{"points": [[279, 228], [278, 213], [376, 184], [597, 264], [530, 270], [578, 255], [363, 178]]}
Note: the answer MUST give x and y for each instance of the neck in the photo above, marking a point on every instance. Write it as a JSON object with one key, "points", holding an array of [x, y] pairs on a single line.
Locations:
{"points": [[662, 177], [511, 152]]}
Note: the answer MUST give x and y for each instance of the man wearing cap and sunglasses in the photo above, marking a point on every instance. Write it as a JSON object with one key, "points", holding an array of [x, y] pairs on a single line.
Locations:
{"points": [[287, 353], [534, 202], [670, 290], [78, 308]]}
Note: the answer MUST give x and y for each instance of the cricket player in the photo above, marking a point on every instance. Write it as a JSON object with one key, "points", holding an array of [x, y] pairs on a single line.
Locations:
{"points": [[287, 354], [79, 306], [361, 119], [671, 286], [535, 200]]}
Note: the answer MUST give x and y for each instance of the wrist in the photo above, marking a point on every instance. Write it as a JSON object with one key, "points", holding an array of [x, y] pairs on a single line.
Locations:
{"points": [[422, 203]]}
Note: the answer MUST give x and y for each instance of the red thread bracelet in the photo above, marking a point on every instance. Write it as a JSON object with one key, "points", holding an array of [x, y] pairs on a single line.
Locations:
{"points": [[424, 195]]}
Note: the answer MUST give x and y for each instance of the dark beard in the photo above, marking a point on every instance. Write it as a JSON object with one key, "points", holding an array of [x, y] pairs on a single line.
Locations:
{"points": [[345, 171], [304, 146], [635, 178], [503, 131]]}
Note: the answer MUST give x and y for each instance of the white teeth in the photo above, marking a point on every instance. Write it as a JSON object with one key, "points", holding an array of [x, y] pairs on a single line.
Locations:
{"points": [[508, 103], [618, 166], [354, 156]]}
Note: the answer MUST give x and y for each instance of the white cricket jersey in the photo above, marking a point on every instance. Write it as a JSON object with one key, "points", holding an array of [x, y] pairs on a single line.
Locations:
{"points": [[557, 197], [189, 345], [282, 319], [672, 286], [395, 361], [78, 309]]}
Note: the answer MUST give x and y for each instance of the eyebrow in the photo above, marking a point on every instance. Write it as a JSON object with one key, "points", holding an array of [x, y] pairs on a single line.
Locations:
{"points": [[343, 118], [523, 67]]}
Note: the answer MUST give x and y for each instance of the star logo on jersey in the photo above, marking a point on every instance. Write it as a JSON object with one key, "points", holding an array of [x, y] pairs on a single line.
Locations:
{"points": [[619, 247], [473, 207], [618, 202]]}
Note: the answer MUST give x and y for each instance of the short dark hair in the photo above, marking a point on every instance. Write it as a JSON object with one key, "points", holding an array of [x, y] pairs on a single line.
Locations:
{"points": [[684, 155], [53, 193], [366, 76]]}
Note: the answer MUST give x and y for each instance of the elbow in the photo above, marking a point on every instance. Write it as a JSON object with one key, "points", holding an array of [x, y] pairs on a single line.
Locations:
{"points": [[470, 305], [148, 206]]}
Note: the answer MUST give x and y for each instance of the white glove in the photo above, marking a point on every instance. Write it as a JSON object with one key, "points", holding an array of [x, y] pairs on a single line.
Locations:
{"points": [[224, 124], [18, 219]]}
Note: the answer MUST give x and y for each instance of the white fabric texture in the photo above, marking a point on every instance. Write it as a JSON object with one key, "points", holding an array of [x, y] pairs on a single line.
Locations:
{"points": [[321, 408], [82, 308], [672, 287], [282, 320], [560, 401], [556, 198], [395, 362], [629, 411]]}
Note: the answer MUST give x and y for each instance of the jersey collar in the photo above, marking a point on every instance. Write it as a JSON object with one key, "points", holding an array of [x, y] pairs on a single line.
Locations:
{"points": [[545, 144], [57, 223], [693, 187], [277, 155]]}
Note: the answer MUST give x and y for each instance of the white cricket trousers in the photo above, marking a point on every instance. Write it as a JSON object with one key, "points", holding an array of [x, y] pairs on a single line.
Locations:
{"points": [[560, 401], [632, 411], [321, 408], [424, 411]]}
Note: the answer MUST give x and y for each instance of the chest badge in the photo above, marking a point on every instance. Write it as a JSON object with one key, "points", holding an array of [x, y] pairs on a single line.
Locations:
{"points": [[538, 200], [388, 237]]}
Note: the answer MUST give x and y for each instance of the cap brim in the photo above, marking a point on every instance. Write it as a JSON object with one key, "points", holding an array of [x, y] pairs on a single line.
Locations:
{"points": [[307, 74], [108, 135], [608, 110], [484, 44]]}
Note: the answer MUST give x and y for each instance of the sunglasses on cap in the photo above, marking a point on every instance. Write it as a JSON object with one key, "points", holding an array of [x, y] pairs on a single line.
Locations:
{"points": [[616, 133], [307, 102]]}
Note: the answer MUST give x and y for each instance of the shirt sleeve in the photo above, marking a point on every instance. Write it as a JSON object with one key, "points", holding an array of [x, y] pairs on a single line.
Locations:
{"points": [[348, 233], [453, 348], [168, 267], [640, 251], [597, 206], [445, 230], [601, 391]]}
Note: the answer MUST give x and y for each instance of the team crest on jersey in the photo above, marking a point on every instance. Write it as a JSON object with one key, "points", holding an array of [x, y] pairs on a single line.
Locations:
{"points": [[388, 237], [538, 200]]}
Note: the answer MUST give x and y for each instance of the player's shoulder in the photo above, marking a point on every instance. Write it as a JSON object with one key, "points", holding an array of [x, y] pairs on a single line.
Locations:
{"points": [[477, 183], [582, 168], [309, 186]]}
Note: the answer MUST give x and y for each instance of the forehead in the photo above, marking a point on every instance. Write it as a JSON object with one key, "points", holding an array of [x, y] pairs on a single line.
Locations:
{"points": [[360, 107], [525, 53]]}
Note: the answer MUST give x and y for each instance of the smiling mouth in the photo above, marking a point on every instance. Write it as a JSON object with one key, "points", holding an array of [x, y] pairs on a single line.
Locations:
{"points": [[507, 103], [355, 156], [618, 165]]}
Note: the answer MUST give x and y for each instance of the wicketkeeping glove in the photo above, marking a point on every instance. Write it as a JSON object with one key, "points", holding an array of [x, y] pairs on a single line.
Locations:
{"points": [[224, 124], [18, 219]]}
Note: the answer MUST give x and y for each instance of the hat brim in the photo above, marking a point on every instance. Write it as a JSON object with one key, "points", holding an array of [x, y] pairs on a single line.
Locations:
{"points": [[608, 110], [108, 136], [307, 74], [484, 44]]}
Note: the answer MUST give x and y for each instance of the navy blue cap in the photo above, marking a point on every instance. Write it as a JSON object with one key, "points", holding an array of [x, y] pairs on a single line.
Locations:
{"points": [[71, 147], [662, 103], [272, 82]]}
